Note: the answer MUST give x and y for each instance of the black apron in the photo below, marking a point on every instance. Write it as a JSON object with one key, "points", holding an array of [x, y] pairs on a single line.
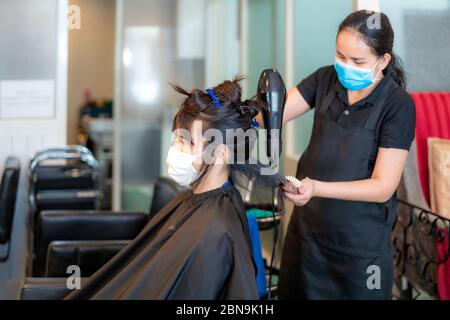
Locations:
{"points": [[337, 249]]}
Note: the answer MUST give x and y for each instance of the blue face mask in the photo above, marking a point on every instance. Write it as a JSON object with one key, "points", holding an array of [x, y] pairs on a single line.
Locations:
{"points": [[354, 78]]}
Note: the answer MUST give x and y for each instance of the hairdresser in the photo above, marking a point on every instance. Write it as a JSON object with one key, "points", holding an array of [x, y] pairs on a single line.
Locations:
{"points": [[338, 243]]}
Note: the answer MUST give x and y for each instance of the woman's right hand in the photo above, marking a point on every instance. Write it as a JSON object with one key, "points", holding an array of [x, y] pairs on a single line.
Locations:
{"points": [[304, 193]]}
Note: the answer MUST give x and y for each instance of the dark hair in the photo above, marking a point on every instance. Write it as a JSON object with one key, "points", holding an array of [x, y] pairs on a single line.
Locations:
{"points": [[232, 114], [379, 35]]}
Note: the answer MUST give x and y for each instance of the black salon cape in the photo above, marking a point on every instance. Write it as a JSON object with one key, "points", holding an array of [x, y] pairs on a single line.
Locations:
{"points": [[197, 247]]}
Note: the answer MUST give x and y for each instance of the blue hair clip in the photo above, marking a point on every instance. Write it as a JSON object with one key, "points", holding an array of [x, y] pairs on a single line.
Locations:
{"points": [[254, 124], [214, 98]]}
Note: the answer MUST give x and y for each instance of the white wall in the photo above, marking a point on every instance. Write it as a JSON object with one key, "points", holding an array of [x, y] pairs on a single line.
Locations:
{"points": [[37, 49]]}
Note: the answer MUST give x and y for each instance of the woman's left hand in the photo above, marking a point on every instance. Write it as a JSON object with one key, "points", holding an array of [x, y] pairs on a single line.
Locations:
{"points": [[306, 191]]}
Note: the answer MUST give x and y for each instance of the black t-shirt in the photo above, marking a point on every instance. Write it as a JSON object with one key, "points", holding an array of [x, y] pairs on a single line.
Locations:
{"points": [[396, 125]]}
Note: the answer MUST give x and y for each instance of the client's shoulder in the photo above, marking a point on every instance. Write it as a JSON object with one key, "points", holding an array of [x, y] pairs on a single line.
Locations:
{"points": [[227, 216]]}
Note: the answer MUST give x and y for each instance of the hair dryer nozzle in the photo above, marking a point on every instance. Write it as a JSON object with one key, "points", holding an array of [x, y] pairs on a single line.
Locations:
{"points": [[271, 95]]}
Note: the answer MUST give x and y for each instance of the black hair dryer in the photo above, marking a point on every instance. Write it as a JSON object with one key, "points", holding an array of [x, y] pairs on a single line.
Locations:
{"points": [[271, 95]]}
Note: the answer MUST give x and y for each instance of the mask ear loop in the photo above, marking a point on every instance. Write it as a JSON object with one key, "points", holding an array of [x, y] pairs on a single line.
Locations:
{"points": [[376, 78]]}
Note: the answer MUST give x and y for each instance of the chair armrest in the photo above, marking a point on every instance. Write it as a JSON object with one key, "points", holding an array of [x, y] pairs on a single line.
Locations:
{"points": [[45, 289]]}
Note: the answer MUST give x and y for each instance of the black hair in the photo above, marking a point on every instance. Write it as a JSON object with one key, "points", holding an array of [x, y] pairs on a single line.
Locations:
{"points": [[378, 34], [234, 114]]}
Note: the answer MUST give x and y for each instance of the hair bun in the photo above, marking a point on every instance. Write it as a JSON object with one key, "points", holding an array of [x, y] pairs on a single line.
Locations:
{"points": [[252, 108], [229, 92]]}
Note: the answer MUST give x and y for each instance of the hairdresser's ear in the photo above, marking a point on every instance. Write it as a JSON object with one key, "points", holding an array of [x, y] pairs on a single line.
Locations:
{"points": [[221, 154], [386, 60]]}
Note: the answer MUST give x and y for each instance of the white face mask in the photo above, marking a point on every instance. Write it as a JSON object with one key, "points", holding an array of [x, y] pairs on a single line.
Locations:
{"points": [[180, 167]]}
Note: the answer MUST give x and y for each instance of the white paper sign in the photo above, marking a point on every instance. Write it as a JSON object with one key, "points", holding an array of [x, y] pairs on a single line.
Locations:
{"points": [[27, 99]]}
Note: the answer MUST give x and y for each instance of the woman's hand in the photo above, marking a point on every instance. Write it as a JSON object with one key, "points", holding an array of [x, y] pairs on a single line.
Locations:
{"points": [[306, 191], [378, 188]]}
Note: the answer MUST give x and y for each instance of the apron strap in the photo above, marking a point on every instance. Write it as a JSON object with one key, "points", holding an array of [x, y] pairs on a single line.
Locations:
{"points": [[329, 98], [379, 104]]}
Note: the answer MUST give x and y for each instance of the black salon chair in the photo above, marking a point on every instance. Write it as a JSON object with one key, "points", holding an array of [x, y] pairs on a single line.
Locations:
{"points": [[165, 189], [8, 195], [90, 237], [64, 178], [89, 226], [91, 244], [84, 238]]}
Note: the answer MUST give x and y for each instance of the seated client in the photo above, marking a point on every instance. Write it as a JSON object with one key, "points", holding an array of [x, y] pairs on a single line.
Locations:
{"points": [[198, 246]]}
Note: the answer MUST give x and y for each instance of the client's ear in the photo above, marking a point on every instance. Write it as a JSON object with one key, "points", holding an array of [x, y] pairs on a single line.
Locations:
{"points": [[221, 154]]}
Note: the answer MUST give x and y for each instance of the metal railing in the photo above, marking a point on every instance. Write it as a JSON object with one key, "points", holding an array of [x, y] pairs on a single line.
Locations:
{"points": [[416, 235]]}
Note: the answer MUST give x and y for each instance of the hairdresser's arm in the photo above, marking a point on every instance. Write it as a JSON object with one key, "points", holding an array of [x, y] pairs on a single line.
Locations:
{"points": [[296, 105], [378, 188]]}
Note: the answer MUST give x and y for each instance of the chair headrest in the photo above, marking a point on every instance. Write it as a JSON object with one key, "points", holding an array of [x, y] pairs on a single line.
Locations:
{"points": [[12, 163], [165, 189]]}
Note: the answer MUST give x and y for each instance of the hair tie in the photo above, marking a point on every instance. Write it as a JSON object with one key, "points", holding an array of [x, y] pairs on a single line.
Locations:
{"points": [[254, 124], [214, 98]]}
